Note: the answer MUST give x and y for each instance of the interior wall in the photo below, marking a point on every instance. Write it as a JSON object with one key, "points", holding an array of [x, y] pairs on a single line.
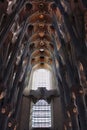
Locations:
{"points": [[24, 114], [57, 114]]}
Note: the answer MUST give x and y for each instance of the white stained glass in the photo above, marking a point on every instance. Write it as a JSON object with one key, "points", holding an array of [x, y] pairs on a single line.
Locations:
{"points": [[41, 114], [41, 78]]}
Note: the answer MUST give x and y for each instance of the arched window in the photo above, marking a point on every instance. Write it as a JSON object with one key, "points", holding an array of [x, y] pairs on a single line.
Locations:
{"points": [[42, 78], [41, 111], [41, 115]]}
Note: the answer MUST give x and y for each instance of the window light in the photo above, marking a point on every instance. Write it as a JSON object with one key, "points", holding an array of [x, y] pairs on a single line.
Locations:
{"points": [[41, 114]]}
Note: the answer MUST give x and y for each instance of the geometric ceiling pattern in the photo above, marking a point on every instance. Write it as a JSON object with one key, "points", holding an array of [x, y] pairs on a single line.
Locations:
{"points": [[45, 34]]}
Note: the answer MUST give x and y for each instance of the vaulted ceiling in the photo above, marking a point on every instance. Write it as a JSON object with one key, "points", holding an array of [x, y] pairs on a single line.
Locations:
{"points": [[43, 34]]}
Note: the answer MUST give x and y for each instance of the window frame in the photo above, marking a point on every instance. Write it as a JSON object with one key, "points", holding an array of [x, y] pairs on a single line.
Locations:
{"points": [[46, 117]]}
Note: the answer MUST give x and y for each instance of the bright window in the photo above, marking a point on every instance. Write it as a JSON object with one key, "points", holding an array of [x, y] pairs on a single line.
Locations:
{"points": [[41, 78], [41, 114]]}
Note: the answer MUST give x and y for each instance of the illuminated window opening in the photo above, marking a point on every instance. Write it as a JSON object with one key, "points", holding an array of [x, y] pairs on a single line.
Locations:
{"points": [[41, 78], [41, 115], [41, 111]]}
